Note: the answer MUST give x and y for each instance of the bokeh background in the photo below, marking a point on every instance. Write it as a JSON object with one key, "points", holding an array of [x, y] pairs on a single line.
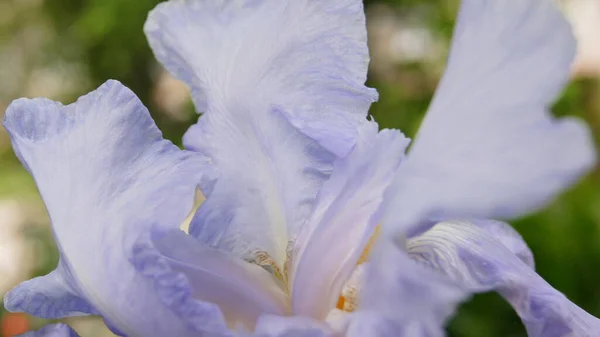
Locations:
{"points": [[62, 49]]}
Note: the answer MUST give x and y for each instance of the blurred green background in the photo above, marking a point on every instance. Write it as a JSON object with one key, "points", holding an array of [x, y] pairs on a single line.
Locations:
{"points": [[64, 48]]}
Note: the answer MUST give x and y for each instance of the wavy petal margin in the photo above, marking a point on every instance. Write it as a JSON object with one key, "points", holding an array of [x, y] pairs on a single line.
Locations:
{"points": [[478, 260], [107, 177]]}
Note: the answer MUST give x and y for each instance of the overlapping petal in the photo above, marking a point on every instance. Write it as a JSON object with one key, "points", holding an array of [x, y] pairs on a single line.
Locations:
{"points": [[402, 298], [489, 146], [52, 330], [107, 178], [345, 216], [207, 287], [49, 297], [293, 326], [479, 261], [281, 88]]}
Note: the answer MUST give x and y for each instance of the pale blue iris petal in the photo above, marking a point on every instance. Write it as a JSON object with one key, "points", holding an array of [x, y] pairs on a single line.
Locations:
{"points": [[489, 146], [267, 187], [510, 238], [307, 56], [281, 85], [52, 330], [477, 260], [292, 326], [344, 218], [376, 325], [193, 279], [106, 176], [48, 296], [400, 297]]}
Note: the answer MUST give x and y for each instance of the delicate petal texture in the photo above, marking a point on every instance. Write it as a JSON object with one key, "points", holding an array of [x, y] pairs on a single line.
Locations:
{"points": [[488, 146], [352, 287], [186, 271], [401, 298], [368, 323], [52, 330], [106, 177], [266, 191], [469, 255], [510, 238], [293, 326], [48, 296], [338, 321], [307, 56], [373, 324], [279, 84], [331, 242]]}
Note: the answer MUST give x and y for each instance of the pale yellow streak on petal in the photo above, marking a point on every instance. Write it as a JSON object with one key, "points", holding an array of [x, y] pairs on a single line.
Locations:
{"points": [[199, 198], [364, 257], [348, 300]]}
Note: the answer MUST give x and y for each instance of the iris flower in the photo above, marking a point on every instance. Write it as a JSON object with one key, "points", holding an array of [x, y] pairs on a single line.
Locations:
{"points": [[315, 223]]}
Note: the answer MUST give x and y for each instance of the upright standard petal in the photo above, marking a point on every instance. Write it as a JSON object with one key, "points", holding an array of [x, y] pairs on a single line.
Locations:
{"points": [[479, 261], [281, 88], [345, 217], [489, 146], [107, 178], [306, 56], [53, 330]]}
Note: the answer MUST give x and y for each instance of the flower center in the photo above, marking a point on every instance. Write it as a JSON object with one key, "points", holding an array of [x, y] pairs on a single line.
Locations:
{"points": [[265, 261], [348, 300]]}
